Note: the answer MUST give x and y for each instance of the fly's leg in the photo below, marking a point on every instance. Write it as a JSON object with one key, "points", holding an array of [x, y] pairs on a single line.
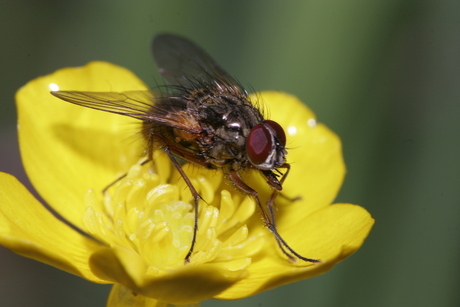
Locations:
{"points": [[288, 198], [269, 219], [121, 177], [196, 198]]}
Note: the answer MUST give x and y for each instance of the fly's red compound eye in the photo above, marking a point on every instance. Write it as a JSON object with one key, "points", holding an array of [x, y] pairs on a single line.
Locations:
{"points": [[259, 144], [279, 131]]}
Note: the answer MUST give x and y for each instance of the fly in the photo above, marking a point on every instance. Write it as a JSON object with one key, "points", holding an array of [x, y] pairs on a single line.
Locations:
{"points": [[206, 119]]}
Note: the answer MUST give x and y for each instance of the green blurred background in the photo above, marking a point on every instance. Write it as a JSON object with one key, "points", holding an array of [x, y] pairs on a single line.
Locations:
{"points": [[382, 74]]}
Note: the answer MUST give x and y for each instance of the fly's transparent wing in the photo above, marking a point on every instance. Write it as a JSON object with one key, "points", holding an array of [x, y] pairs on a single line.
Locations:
{"points": [[133, 104], [184, 64], [142, 105]]}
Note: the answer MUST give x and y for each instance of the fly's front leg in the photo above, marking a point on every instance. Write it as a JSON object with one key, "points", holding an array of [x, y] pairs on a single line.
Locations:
{"points": [[277, 187], [269, 222]]}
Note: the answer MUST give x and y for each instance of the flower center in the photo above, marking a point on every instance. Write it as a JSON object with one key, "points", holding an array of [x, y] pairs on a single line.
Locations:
{"points": [[150, 211]]}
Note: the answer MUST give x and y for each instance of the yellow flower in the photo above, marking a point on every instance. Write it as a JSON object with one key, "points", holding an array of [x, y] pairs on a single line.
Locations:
{"points": [[141, 228]]}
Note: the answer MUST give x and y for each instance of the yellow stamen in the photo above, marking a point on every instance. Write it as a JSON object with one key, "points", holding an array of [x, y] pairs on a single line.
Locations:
{"points": [[153, 216]]}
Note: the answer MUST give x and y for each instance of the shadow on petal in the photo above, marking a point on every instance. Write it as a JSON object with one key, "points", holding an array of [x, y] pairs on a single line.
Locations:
{"points": [[186, 285], [123, 297]]}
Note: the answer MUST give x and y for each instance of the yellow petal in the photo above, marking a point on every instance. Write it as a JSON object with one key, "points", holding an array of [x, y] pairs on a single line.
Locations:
{"points": [[67, 149], [191, 284], [330, 234], [29, 229]]}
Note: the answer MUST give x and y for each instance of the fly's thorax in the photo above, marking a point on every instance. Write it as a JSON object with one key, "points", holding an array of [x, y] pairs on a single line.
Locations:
{"points": [[226, 118]]}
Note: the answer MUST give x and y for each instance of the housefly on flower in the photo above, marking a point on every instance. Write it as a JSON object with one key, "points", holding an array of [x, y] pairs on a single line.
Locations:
{"points": [[205, 118]]}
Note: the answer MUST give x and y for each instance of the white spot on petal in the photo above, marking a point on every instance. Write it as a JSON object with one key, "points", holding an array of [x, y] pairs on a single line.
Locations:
{"points": [[53, 87], [311, 122], [292, 130]]}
